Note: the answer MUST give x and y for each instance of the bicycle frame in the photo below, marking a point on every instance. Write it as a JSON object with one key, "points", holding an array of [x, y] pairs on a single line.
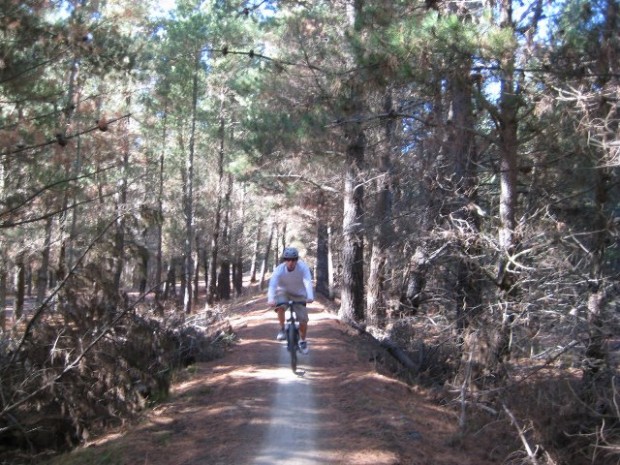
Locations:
{"points": [[292, 332]]}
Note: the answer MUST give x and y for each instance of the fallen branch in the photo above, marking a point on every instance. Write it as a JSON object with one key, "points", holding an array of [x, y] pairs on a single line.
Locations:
{"points": [[389, 346], [531, 453], [398, 354]]}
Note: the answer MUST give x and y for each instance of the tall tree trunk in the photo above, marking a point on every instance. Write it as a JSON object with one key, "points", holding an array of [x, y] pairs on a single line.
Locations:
{"points": [[238, 273], [215, 242], [508, 122], [265, 264], [254, 263], [121, 211], [597, 370], [468, 302], [4, 263], [376, 306], [197, 267], [43, 271], [65, 233], [352, 292], [61, 266], [238, 252], [170, 288], [204, 259], [276, 249], [330, 262], [223, 281], [507, 278], [188, 194], [160, 213], [415, 275], [3, 290], [461, 147], [143, 266], [283, 239], [20, 287], [322, 248]]}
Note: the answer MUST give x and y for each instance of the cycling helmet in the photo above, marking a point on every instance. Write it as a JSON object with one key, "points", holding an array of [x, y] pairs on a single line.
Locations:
{"points": [[290, 253]]}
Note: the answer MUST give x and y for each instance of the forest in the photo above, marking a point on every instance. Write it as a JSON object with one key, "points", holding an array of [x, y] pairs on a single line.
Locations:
{"points": [[449, 169]]}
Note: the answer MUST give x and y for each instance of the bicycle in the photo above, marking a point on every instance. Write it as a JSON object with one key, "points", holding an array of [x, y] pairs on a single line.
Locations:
{"points": [[291, 330]]}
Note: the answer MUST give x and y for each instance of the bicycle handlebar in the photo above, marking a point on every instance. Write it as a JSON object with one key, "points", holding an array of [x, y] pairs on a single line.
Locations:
{"points": [[291, 302]]}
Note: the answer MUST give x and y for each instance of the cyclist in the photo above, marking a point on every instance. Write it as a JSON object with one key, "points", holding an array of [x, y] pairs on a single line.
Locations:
{"points": [[291, 280]]}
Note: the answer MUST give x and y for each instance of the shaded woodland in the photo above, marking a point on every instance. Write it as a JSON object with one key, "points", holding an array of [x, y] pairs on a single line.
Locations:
{"points": [[448, 168]]}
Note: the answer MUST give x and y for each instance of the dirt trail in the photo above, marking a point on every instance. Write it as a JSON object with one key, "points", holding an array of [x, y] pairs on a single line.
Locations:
{"points": [[294, 423], [249, 408]]}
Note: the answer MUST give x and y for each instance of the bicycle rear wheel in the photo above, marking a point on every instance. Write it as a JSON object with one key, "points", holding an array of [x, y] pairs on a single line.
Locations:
{"points": [[291, 337]]}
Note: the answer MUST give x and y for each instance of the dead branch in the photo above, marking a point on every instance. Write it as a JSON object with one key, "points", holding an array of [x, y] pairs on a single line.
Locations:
{"points": [[530, 453]]}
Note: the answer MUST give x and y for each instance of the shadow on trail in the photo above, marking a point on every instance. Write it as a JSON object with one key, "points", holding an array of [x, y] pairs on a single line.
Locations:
{"points": [[249, 408]]}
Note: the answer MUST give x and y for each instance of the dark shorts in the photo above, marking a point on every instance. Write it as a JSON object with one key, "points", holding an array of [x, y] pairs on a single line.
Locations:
{"points": [[300, 309]]}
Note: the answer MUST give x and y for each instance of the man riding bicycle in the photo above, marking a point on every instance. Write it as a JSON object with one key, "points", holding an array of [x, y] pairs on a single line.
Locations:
{"points": [[291, 280]]}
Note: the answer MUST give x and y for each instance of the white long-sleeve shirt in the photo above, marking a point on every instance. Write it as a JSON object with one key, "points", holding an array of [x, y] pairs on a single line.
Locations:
{"points": [[296, 284]]}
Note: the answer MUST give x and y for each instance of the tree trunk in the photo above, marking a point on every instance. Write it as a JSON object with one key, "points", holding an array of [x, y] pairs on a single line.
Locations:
{"points": [[276, 249], [3, 289], [470, 328], [254, 263], [65, 121], [597, 370], [223, 280], [215, 242], [197, 267], [330, 263], [508, 123], [238, 274], [376, 306], [212, 291], [461, 146], [121, 211], [237, 256], [322, 248], [171, 279], [160, 213], [204, 260], [4, 263], [352, 293], [144, 269], [20, 288], [188, 197], [43, 271], [265, 263]]}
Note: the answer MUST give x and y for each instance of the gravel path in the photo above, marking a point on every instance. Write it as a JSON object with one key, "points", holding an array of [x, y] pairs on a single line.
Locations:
{"points": [[293, 427]]}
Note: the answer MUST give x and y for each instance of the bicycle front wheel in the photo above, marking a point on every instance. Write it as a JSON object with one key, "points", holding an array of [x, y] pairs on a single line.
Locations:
{"points": [[292, 345]]}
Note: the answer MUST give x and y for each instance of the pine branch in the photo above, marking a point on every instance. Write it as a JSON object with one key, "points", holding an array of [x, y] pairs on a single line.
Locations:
{"points": [[62, 137]]}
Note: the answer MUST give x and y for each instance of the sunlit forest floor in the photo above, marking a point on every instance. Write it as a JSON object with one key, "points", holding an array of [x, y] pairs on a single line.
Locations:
{"points": [[220, 412]]}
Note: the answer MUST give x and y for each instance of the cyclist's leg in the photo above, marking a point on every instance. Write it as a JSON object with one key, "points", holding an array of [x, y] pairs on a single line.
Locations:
{"points": [[280, 309], [281, 301], [302, 317], [280, 312]]}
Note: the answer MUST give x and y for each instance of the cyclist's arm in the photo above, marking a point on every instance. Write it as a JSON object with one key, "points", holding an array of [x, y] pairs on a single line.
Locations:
{"points": [[273, 285]]}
